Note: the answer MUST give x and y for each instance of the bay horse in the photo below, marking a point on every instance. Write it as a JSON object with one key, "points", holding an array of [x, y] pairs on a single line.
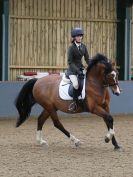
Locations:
{"points": [[101, 74]]}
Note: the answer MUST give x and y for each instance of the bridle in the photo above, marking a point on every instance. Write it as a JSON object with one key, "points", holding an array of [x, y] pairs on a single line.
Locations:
{"points": [[110, 85], [108, 80], [107, 84]]}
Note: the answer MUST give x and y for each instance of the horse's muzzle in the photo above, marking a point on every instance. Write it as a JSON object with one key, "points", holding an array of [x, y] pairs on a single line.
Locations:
{"points": [[116, 90], [117, 94]]}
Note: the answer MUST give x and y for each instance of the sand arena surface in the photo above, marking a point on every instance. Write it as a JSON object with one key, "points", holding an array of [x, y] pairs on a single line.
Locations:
{"points": [[21, 157]]}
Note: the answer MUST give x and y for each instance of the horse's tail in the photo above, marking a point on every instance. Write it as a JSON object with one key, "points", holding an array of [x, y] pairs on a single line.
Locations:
{"points": [[25, 101]]}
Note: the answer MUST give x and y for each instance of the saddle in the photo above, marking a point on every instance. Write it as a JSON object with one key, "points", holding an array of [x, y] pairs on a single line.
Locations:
{"points": [[66, 88]]}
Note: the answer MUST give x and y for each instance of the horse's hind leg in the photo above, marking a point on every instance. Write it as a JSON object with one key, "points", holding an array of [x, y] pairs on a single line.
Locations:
{"points": [[41, 120], [59, 126]]}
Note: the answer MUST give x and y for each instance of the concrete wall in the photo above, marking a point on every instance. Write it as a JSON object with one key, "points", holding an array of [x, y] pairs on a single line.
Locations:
{"points": [[9, 90], [123, 104]]}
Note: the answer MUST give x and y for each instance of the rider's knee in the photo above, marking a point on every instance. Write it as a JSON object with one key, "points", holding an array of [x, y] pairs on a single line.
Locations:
{"points": [[74, 81]]}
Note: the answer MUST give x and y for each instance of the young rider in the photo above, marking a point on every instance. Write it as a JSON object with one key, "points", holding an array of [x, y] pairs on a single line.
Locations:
{"points": [[75, 67]]}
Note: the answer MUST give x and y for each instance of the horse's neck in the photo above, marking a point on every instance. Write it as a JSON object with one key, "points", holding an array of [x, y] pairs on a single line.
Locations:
{"points": [[95, 76]]}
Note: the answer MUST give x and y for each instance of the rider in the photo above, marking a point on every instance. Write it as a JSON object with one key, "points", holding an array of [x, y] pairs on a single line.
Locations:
{"points": [[75, 67]]}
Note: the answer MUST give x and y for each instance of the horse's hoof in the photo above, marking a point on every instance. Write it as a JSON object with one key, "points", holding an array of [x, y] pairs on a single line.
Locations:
{"points": [[118, 149], [78, 143], [75, 140], [106, 139], [42, 142]]}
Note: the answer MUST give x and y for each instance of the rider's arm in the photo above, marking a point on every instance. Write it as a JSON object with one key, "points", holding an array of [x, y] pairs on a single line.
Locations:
{"points": [[86, 55], [71, 61]]}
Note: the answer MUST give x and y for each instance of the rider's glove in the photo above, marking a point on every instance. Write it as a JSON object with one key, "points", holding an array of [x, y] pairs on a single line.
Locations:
{"points": [[81, 75]]}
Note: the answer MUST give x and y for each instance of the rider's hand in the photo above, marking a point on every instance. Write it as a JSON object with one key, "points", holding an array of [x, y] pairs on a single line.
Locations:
{"points": [[84, 71], [80, 72], [81, 75]]}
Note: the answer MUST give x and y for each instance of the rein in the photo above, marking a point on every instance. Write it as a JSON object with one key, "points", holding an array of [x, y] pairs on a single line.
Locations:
{"points": [[104, 85], [97, 84]]}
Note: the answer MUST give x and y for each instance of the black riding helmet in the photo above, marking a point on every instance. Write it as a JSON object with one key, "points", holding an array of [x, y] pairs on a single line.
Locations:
{"points": [[76, 32]]}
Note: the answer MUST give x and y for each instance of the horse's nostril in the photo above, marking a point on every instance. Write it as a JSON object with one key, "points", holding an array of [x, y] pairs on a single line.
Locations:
{"points": [[117, 94]]}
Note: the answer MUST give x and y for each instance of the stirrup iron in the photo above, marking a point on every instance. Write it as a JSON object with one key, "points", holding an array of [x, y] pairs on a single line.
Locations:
{"points": [[72, 107]]}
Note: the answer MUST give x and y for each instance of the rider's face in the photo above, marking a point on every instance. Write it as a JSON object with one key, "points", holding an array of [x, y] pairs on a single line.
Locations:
{"points": [[79, 38]]}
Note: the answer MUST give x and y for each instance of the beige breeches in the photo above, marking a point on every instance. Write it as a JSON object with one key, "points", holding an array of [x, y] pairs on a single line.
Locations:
{"points": [[74, 81]]}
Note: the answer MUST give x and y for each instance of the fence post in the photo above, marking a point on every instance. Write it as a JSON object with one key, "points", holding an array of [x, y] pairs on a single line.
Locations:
{"points": [[5, 57]]}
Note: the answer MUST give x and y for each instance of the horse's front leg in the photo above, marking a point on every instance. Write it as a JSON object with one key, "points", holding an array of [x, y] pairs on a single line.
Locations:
{"points": [[114, 142], [109, 122]]}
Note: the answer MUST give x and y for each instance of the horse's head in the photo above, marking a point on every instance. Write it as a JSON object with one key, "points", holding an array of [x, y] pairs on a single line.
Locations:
{"points": [[111, 79], [106, 72]]}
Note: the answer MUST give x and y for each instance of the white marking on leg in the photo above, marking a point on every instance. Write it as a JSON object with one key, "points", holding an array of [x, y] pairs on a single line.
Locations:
{"points": [[75, 140], [110, 134], [39, 138]]}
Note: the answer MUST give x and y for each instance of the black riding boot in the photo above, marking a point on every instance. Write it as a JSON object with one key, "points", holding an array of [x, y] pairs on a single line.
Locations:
{"points": [[74, 105]]}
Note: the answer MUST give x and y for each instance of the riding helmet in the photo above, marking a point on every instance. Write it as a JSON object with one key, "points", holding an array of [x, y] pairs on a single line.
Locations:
{"points": [[76, 32]]}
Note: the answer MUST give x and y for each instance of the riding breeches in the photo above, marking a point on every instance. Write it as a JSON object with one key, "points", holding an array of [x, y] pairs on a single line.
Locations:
{"points": [[74, 81]]}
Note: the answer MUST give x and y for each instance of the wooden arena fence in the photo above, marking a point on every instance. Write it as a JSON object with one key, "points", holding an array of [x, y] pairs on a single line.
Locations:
{"points": [[40, 32]]}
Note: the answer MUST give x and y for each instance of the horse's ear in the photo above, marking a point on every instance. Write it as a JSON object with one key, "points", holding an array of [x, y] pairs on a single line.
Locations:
{"points": [[113, 62]]}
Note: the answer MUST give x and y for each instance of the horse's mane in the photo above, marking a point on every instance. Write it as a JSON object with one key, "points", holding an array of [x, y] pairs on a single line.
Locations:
{"points": [[99, 58]]}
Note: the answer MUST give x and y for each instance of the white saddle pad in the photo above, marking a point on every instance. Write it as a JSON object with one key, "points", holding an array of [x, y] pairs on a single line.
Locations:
{"points": [[63, 90]]}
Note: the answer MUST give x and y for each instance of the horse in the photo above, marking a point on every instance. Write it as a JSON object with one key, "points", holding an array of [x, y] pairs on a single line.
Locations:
{"points": [[101, 74]]}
